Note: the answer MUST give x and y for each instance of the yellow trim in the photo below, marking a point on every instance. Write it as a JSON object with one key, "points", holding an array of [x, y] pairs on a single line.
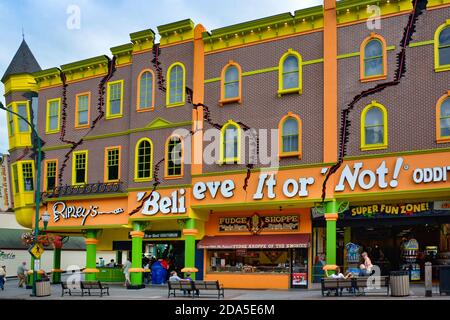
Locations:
{"points": [[237, 159], [238, 98], [47, 116], [138, 98], [20, 83], [19, 138], [166, 160], [108, 102], [136, 178], [179, 103], [297, 153], [298, 89], [77, 125], [378, 146], [439, 138], [437, 66], [21, 197], [362, 57], [74, 156], [45, 173], [105, 164]]}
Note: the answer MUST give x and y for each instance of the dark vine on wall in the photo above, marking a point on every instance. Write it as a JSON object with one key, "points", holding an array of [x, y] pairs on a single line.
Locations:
{"points": [[100, 110], [418, 7]]}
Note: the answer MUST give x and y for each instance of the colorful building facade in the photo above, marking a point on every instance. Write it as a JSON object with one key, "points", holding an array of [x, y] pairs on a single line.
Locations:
{"points": [[130, 164]]}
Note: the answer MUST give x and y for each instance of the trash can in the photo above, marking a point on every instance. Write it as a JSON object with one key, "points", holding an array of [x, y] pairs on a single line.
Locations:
{"points": [[42, 288], [444, 280], [399, 283]]}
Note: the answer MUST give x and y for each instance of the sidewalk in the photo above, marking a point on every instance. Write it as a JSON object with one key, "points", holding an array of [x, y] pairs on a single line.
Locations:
{"points": [[118, 292]]}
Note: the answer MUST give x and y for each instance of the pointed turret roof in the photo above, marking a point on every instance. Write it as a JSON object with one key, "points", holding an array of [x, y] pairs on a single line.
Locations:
{"points": [[22, 62]]}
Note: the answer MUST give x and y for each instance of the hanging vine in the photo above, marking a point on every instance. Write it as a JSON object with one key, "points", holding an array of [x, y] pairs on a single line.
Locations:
{"points": [[418, 7]]}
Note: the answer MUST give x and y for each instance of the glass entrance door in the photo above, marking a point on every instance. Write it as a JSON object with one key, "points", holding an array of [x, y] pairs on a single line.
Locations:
{"points": [[299, 268]]}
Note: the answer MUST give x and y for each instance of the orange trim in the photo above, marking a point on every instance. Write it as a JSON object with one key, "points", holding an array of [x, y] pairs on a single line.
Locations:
{"points": [[330, 147], [136, 270], [264, 41], [331, 216], [166, 161], [91, 270], [175, 43], [345, 24], [57, 270], [84, 126], [298, 153], [38, 272], [190, 232], [441, 100], [373, 36], [87, 78], [198, 97], [105, 163], [45, 173], [142, 51], [238, 99], [138, 95], [137, 234], [124, 65], [90, 241]]}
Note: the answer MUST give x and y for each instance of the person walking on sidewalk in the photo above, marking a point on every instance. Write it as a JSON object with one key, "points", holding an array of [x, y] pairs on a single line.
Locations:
{"points": [[21, 273], [2, 277], [126, 271]]}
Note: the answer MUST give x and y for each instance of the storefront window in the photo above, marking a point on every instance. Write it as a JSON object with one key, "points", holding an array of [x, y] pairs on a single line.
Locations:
{"points": [[249, 261]]}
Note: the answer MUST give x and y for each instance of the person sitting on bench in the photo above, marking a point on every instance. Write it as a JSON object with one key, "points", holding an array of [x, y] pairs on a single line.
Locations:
{"points": [[340, 275]]}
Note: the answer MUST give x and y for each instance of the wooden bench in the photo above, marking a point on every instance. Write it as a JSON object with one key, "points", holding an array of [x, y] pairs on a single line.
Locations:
{"points": [[70, 289], [87, 286], [356, 285], [202, 286], [181, 285]]}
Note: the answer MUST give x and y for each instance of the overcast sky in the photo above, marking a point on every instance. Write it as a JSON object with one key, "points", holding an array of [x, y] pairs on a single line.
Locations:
{"points": [[107, 23]]}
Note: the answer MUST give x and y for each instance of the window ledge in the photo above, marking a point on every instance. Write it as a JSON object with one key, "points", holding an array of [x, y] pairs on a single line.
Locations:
{"points": [[443, 140], [374, 78], [173, 177], [176, 104], [87, 126], [290, 154], [143, 179], [113, 117], [52, 132], [224, 162], [443, 68], [373, 147], [289, 91], [230, 100], [145, 109]]}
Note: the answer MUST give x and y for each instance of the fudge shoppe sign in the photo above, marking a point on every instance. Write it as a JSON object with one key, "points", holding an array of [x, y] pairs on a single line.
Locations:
{"points": [[63, 211], [395, 173], [256, 224]]}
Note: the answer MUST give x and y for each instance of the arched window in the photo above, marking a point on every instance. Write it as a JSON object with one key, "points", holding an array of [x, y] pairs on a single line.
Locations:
{"points": [[443, 118], [290, 73], [174, 157], [230, 142], [373, 58], [231, 83], [374, 133], [175, 83], [145, 94], [290, 136], [442, 47], [143, 160]]}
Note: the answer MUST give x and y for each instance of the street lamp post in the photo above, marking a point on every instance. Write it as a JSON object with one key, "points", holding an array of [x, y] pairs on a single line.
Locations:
{"points": [[37, 193]]}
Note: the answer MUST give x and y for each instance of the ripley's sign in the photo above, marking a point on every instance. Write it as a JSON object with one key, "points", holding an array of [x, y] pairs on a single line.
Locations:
{"points": [[62, 211]]}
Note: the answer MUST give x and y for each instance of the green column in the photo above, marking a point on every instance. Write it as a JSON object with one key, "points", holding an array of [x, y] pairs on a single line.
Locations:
{"points": [[331, 217], [189, 245], [136, 254], [91, 255], [29, 278], [56, 275]]}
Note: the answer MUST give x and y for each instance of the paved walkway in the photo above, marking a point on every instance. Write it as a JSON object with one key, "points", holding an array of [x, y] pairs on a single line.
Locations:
{"points": [[118, 292]]}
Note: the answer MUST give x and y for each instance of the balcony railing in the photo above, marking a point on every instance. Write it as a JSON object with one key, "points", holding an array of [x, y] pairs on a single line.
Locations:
{"points": [[85, 189]]}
